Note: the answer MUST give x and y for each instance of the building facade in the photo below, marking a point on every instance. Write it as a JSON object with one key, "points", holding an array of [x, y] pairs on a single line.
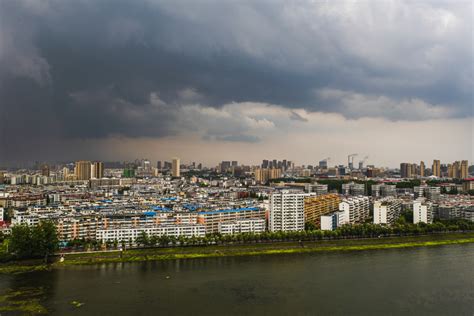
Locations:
{"points": [[287, 211]]}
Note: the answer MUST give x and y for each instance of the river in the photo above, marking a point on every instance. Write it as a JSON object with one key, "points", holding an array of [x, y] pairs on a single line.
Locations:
{"points": [[414, 281]]}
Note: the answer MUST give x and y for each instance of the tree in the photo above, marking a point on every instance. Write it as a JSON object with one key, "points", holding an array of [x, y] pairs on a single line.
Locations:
{"points": [[20, 241], [45, 236], [38, 241], [142, 239], [309, 226]]}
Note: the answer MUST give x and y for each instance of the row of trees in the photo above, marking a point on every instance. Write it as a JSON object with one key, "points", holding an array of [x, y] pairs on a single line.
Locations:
{"points": [[41, 241]]}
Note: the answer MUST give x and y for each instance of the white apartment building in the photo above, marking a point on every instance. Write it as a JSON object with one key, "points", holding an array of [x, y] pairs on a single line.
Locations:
{"points": [[287, 211], [131, 233], [355, 209], [332, 221], [255, 225], [422, 212], [387, 211]]}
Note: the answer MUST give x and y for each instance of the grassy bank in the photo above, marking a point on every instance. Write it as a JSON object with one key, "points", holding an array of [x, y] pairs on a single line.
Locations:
{"points": [[153, 254]]}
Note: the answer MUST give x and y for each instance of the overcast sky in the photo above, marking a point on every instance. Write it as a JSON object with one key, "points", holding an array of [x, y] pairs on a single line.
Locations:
{"points": [[236, 80]]}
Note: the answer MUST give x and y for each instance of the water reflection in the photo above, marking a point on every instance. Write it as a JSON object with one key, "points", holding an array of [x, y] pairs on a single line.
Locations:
{"points": [[414, 281]]}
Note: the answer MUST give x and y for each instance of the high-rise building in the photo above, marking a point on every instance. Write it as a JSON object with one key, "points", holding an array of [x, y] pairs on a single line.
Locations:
{"points": [[355, 210], [287, 211], [464, 169], [406, 170], [456, 170], [224, 166], [316, 206], [175, 168], [158, 165], [97, 170], [82, 170], [45, 170], [422, 169], [65, 173], [422, 212], [264, 175], [436, 168], [2, 177], [387, 210], [323, 164]]}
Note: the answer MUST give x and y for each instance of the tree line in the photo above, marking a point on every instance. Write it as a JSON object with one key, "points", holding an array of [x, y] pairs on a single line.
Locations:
{"points": [[41, 241], [366, 230]]}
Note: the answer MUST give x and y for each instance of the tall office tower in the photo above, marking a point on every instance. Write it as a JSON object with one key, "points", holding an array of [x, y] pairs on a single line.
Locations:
{"points": [[287, 211], [387, 210], [406, 170], [199, 166], [97, 170], [265, 164], [82, 170], [436, 168], [234, 163], [464, 169], [175, 167], [158, 165], [275, 163], [317, 206], [285, 164], [45, 170], [422, 169]]}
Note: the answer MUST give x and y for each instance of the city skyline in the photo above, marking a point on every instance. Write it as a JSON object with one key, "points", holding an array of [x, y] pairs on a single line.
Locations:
{"points": [[303, 80]]}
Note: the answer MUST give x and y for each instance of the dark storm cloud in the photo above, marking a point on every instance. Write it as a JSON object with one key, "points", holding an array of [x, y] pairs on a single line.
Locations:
{"points": [[87, 69]]}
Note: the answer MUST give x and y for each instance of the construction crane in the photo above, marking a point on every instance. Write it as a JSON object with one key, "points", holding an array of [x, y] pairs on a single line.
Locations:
{"points": [[361, 163], [350, 161]]}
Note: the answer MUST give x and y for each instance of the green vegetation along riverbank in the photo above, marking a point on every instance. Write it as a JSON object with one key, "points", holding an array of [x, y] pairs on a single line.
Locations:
{"points": [[153, 254]]}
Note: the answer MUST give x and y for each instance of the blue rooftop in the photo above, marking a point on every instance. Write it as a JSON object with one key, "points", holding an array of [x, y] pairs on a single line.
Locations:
{"points": [[235, 210], [159, 208], [168, 199]]}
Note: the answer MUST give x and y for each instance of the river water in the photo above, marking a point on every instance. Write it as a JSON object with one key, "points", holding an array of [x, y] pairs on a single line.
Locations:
{"points": [[415, 281]]}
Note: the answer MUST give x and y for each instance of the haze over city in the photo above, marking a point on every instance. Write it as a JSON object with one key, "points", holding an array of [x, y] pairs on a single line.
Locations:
{"points": [[242, 80]]}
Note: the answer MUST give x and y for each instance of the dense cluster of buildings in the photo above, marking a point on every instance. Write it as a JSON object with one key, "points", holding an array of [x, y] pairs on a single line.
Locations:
{"points": [[455, 170], [86, 200]]}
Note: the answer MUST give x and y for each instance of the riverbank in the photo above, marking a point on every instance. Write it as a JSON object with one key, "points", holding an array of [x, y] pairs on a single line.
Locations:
{"points": [[274, 248]]}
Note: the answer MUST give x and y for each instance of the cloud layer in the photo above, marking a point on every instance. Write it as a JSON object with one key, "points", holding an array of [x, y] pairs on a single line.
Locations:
{"points": [[227, 72]]}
